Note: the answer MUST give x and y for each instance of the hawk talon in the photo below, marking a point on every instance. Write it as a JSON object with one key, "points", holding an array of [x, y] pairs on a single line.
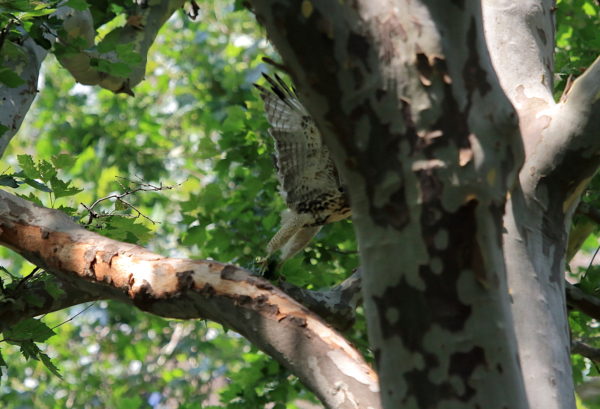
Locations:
{"points": [[266, 267]]}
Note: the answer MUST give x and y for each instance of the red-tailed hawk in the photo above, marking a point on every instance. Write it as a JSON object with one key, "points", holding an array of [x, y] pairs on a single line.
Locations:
{"points": [[308, 180]]}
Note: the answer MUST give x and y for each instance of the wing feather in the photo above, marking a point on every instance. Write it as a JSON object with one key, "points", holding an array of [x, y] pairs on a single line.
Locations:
{"points": [[304, 166]]}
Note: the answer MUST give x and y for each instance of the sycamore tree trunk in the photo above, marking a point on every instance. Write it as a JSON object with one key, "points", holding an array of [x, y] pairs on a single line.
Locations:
{"points": [[463, 173], [561, 146]]}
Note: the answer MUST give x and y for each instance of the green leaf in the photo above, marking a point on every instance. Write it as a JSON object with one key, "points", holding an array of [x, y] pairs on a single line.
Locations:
{"points": [[37, 185], [39, 12], [29, 349], [194, 235], [30, 329], [32, 198], [13, 276], [120, 205], [69, 211], [126, 229], [62, 189], [234, 121], [49, 364], [10, 78], [132, 402], [17, 5], [77, 4], [38, 34], [46, 170], [8, 180], [63, 161], [28, 166], [2, 365]]}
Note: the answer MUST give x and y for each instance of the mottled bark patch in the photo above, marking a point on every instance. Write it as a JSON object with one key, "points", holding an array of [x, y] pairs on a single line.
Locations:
{"points": [[298, 321], [90, 263], [185, 280], [243, 300], [541, 35], [207, 291], [228, 272], [268, 309], [464, 364], [459, 3], [474, 75], [144, 296], [417, 311]]}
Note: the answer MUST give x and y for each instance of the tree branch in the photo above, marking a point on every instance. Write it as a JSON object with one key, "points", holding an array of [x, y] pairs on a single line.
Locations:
{"points": [[336, 305], [583, 349], [140, 31], [582, 301], [580, 231], [527, 84], [180, 288], [16, 101], [569, 154], [585, 90], [589, 211]]}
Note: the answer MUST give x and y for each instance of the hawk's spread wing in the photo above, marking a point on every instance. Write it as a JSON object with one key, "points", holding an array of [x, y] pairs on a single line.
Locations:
{"points": [[304, 165]]}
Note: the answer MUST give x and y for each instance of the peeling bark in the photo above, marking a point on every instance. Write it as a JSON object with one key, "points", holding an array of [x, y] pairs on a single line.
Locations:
{"points": [[409, 104], [178, 288]]}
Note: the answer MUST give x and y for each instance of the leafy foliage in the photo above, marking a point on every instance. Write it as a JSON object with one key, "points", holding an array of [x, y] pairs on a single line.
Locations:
{"points": [[578, 44], [577, 40]]}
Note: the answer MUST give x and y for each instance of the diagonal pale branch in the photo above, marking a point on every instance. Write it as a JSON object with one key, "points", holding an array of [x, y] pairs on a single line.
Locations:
{"points": [[181, 288]]}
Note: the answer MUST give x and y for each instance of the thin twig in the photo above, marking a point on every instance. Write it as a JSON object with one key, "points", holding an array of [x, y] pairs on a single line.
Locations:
{"points": [[75, 316], [591, 262], [119, 197], [27, 277]]}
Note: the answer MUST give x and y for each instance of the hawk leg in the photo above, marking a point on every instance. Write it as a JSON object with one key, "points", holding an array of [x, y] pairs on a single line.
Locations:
{"points": [[298, 241], [290, 239], [291, 223]]}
